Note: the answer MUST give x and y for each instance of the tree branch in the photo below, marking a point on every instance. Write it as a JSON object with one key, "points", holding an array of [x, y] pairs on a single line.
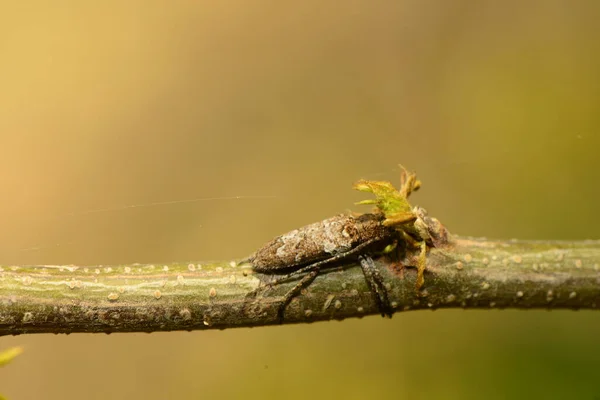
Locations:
{"points": [[468, 273]]}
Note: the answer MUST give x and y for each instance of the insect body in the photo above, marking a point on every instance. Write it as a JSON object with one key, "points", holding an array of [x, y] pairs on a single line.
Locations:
{"points": [[307, 250], [321, 240]]}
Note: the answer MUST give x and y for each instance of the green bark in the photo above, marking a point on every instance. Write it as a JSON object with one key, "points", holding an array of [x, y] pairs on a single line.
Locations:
{"points": [[468, 273]]}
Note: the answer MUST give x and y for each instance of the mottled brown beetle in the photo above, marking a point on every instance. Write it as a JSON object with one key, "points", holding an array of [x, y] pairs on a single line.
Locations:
{"points": [[309, 249]]}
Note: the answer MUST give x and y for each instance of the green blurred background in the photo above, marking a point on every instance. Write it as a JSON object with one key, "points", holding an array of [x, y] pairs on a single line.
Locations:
{"points": [[103, 104]]}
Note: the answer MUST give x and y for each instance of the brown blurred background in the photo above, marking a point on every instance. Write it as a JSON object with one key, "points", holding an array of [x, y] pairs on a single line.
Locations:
{"points": [[106, 104]]}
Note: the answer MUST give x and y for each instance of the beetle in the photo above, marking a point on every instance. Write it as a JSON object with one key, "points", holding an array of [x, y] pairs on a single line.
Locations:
{"points": [[307, 250]]}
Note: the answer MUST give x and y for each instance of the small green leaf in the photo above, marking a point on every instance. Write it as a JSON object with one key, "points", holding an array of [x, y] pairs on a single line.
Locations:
{"points": [[389, 200], [8, 355]]}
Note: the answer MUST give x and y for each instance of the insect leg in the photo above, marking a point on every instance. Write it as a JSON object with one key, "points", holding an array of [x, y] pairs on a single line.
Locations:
{"points": [[357, 250], [375, 283], [300, 271], [304, 282], [313, 270], [421, 265], [421, 258], [371, 282]]}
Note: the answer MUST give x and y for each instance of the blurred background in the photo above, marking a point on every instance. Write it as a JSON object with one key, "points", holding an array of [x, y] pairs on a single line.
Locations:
{"points": [[110, 104]]}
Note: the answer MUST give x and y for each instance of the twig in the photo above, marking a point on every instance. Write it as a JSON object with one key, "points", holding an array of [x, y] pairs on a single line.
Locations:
{"points": [[468, 273]]}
